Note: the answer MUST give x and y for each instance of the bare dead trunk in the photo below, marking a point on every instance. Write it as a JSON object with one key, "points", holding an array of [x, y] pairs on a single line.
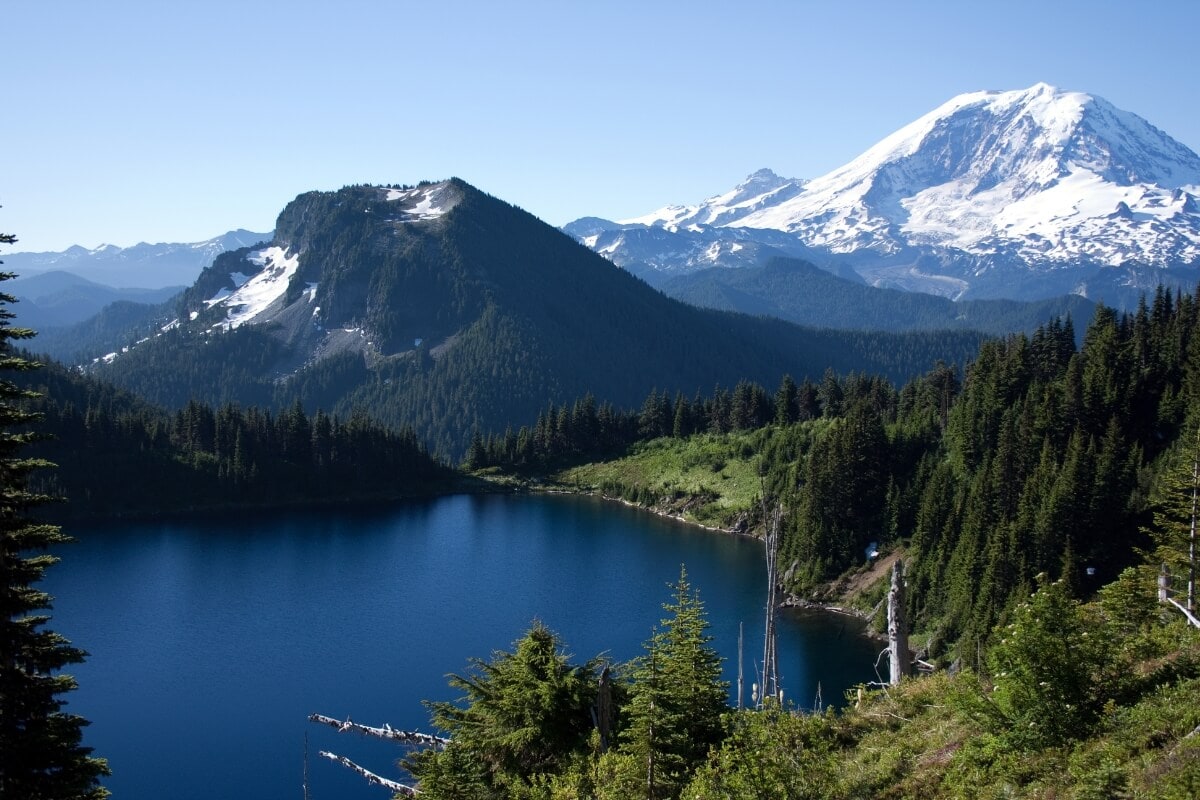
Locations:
{"points": [[897, 626], [770, 676], [1191, 598], [604, 709]]}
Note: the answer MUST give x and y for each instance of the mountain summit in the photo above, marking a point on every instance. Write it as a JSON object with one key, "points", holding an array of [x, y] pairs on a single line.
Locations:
{"points": [[763, 189], [1018, 193]]}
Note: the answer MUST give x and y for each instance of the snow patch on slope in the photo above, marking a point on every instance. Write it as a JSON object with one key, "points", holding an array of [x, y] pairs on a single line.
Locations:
{"points": [[256, 294], [424, 202]]}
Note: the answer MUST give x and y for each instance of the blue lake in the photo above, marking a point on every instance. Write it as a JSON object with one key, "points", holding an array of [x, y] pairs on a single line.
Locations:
{"points": [[212, 641]]}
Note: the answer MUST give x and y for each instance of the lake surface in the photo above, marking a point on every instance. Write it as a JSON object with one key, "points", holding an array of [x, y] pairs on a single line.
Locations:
{"points": [[212, 641]]}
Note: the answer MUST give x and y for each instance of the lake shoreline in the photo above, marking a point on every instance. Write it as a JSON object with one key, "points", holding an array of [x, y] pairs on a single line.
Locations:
{"points": [[54, 514], [461, 485], [790, 600], [663, 514]]}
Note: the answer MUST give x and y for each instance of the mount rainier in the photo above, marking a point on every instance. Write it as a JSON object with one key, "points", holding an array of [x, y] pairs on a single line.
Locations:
{"points": [[1020, 194]]}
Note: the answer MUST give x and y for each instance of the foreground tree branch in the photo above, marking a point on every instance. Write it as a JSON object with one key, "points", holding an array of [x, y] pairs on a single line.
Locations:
{"points": [[371, 777], [412, 738]]}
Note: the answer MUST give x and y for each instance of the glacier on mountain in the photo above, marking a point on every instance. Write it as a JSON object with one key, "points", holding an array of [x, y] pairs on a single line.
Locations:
{"points": [[1013, 183]]}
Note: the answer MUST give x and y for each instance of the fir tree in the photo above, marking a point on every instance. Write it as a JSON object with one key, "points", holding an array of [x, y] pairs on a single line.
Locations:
{"points": [[1044, 667], [677, 699], [527, 713], [786, 406], [1176, 519], [41, 754]]}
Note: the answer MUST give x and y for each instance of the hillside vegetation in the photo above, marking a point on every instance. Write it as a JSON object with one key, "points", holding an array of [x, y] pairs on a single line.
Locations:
{"points": [[117, 455], [1095, 700], [1015, 733], [1040, 458], [710, 479]]}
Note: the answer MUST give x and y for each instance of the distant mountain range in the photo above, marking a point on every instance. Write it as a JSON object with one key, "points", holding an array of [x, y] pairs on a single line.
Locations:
{"points": [[143, 266], [58, 298], [1019, 194], [86, 302], [445, 309], [439, 307]]}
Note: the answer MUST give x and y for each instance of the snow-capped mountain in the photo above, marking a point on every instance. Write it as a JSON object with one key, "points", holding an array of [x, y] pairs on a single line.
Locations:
{"points": [[1062, 187]]}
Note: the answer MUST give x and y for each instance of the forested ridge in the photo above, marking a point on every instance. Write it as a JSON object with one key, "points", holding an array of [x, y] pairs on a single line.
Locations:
{"points": [[116, 326], [800, 292], [119, 455]]}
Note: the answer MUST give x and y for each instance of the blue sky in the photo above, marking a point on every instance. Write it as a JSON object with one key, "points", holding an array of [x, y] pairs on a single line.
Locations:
{"points": [[130, 120]]}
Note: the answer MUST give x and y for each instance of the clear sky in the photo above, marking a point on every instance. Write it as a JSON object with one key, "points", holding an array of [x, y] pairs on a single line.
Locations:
{"points": [[149, 120]]}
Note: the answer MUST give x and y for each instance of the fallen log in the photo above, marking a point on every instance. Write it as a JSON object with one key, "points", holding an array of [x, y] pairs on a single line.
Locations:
{"points": [[371, 777], [412, 738]]}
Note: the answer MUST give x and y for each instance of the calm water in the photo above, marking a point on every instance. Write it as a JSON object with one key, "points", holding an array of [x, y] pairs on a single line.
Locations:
{"points": [[212, 641]]}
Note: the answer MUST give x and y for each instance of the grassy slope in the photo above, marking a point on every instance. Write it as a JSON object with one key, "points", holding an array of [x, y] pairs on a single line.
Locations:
{"points": [[921, 741], [934, 738], [707, 479]]}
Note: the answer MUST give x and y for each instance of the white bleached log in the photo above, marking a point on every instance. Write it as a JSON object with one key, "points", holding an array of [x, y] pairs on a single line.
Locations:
{"points": [[371, 777], [1190, 616], [413, 738]]}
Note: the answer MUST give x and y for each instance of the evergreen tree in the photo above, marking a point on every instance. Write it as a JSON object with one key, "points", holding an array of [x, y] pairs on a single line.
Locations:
{"points": [[41, 754], [808, 401], [527, 713], [771, 755], [787, 409], [1044, 668], [677, 698], [845, 492], [1177, 520], [682, 426], [830, 394]]}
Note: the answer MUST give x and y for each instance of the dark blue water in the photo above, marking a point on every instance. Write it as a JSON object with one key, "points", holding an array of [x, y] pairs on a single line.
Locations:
{"points": [[211, 642]]}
